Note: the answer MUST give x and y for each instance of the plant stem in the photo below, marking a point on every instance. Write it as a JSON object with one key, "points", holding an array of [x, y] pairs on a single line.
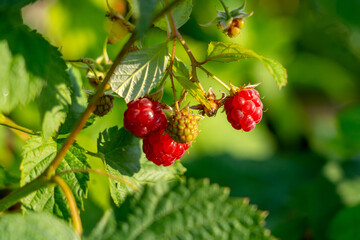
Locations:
{"points": [[215, 78], [194, 63], [225, 8], [97, 171], [74, 211], [19, 193], [90, 108], [10, 124]]}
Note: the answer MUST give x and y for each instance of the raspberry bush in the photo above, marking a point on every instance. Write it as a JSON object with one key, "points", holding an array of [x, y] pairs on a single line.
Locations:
{"points": [[55, 168]]}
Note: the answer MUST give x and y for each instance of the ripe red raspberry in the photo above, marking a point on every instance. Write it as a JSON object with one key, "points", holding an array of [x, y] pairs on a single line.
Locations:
{"points": [[161, 149], [144, 117], [244, 109], [104, 105]]}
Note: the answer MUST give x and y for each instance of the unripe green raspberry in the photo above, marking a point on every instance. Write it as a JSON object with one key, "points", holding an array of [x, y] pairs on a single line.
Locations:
{"points": [[104, 105], [183, 126]]}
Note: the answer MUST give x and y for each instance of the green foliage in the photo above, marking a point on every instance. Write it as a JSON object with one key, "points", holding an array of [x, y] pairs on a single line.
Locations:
{"points": [[191, 210], [6, 179], [139, 72], [79, 101], [181, 14], [35, 226], [37, 155], [230, 52], [120, 150], [31, 67], [183, 77], [345, 225], [14, 4], [149, 173], [144, 9]]}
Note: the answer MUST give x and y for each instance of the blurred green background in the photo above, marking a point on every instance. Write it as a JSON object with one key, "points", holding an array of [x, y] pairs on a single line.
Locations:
{"points": [[302, 161]]}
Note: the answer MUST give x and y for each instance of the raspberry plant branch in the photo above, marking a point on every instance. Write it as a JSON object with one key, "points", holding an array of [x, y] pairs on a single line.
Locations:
{"points": [[22, 192], [74, 211], [99, 172], [214, 77]]}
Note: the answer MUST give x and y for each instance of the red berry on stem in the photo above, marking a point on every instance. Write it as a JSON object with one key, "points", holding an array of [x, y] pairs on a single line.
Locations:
{"points": [[244, 109], [143, 117], [162, 150]]}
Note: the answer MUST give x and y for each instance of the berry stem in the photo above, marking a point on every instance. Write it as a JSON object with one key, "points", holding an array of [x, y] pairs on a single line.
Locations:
{"points": [[10, 124], [99, 172], [226, 9], [74, 211], [215, 78]]}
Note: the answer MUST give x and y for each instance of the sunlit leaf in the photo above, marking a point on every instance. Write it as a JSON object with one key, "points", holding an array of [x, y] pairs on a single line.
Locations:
{"points": [[181, 14], [188, 210], [139, 72], [31, 67], [37, 155], [149, 173], [183, 77], [231, 52]]}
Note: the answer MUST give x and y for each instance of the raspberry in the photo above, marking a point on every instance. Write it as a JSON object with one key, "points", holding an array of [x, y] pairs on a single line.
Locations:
{"points": [[183, 126], [104, 105], [162, 150], [144, 117], [244, 109]]}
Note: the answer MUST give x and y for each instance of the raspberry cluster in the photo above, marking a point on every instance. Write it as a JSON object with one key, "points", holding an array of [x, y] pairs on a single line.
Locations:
{"points": [[244, 109], [144, 117]]}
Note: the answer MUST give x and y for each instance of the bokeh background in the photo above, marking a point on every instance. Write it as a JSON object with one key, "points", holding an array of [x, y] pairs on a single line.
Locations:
{"points": [[302, 161]]}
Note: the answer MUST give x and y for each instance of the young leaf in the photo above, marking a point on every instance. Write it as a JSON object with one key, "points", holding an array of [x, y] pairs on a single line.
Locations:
{"points": [[183, 77], [149, 173], [120, 150], [181, 14], [32, 66], [139, 72], [37, 155], [35, 226], [144, 9], [230, 52], [189, 210]]}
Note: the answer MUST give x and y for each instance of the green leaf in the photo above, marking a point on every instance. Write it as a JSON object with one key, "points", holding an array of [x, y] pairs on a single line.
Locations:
{"points": [[345, 225], [181, 14], [230, 52], [189, 210], [31, 67], [144, 9], [105, 228], [120, 150], [35, 226], [139, 72], [37, 155], [183, 77], [14, 4], [7, 180], [149, 173], [79, 101]]}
